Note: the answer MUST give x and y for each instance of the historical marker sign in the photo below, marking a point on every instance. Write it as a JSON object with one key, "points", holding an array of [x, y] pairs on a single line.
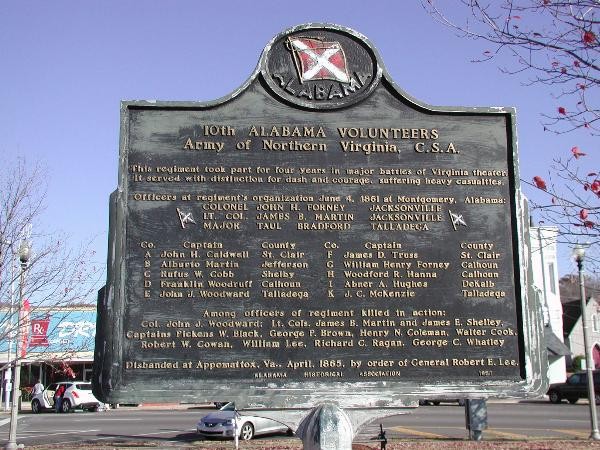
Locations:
{"points": [[316, 234]]}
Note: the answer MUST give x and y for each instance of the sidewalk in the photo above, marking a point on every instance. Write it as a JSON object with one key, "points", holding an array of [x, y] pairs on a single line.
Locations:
{"points": [[296, 444]]}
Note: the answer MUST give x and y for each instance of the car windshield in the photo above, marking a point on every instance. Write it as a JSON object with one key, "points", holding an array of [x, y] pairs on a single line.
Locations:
{"points": [[84, 386], [228, 407]]}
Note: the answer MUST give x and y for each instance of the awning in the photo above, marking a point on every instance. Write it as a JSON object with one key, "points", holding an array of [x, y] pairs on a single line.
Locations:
{"points": [[554, 345]]}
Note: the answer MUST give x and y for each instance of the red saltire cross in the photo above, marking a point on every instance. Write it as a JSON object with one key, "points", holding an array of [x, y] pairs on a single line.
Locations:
{"points": [[320, 60]]}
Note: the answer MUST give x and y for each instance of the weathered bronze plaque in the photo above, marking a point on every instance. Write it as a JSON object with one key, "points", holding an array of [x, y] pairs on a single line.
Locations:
{"points": [[317, 233]]}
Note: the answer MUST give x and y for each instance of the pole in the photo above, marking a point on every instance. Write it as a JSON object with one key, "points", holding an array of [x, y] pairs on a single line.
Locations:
{"points": [[16, 391], [476, 417], [24, 253], [236, 428], [8, 373], [595, 434]]}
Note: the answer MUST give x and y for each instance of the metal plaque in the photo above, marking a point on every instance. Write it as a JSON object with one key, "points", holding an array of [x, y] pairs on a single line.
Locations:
{"points": [[317, 233]]}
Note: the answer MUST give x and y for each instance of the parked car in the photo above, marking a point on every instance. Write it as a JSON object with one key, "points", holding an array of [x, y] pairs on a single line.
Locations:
{"points": [[221, 424], [437, 401], [77, 395], [574, 388]]}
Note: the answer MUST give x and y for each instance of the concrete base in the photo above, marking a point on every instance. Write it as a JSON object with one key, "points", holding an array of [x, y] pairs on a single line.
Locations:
{"points": [[326, 427]]}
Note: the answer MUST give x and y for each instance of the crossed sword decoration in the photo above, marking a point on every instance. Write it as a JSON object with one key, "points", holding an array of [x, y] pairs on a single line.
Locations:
{"points": [[185, 218]]}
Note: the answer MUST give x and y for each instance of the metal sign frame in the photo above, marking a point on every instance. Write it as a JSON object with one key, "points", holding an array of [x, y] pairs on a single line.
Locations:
{"points": [[312, 81]]}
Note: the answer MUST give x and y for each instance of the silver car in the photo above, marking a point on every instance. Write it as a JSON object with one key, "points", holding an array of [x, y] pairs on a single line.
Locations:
{"points": [[222, 424]]}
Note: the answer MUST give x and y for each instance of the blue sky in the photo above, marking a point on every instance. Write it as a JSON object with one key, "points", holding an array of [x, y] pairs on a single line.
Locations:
{"points": [[67, 64]]}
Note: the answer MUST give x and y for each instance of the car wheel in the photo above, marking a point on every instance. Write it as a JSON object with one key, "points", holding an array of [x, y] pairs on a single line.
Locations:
{"points": [[247, 431], [572, 400], [597, 396], [436, 403], [554, 397], [66, 406], [36, 408]]}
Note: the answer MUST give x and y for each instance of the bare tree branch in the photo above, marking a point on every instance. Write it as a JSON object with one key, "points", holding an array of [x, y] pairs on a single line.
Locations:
{"points": [[58, 276], [555, 41]]}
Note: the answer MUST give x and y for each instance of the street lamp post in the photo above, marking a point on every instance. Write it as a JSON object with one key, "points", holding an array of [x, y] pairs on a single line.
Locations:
{"points": [[8, 375], [579, 254], [24, 253], [8, 371]]}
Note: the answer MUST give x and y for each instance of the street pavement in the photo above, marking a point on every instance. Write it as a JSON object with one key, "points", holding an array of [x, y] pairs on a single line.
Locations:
{"points": [[172, 425]]}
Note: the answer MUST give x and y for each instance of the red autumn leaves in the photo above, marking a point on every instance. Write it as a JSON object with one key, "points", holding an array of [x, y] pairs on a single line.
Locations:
{"points": [[577, 153], [590, 186], [539, 182], [583, 215], [589, 38]]}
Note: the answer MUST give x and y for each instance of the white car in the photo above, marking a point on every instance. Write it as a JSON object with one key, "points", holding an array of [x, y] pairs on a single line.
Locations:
{"points": [[222, 424], [77, 395]]}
